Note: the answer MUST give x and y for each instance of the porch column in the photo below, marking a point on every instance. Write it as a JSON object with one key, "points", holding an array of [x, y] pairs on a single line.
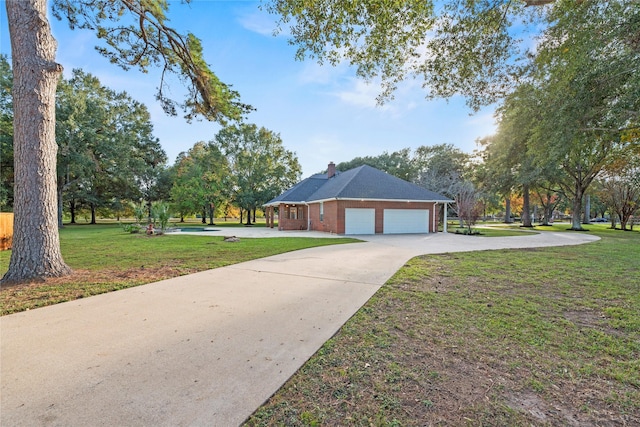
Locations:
{"points": [[444, 224], [271, 216]]}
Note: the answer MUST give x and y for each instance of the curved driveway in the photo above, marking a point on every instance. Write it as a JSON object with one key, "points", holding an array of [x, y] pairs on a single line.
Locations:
{"points": [[204, 349]]}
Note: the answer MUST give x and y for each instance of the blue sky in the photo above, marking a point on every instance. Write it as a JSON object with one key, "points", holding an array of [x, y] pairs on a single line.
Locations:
{"points": [[322, 113]]}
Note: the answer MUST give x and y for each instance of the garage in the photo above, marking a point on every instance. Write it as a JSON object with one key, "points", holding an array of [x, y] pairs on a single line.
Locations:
{"points": [[359, 221], [405, 221]]}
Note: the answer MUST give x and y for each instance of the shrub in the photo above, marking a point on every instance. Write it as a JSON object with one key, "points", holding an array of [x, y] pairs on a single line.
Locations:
{"points": [[161, 213], [131, 228]]}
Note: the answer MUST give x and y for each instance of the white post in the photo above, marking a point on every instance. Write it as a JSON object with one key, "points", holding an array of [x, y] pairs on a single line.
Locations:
{"points": [[444, 224]]}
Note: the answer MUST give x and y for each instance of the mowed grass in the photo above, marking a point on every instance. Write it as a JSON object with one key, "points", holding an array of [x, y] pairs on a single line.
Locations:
{"points": [[105, 258], [487, 231], [544, 337]]}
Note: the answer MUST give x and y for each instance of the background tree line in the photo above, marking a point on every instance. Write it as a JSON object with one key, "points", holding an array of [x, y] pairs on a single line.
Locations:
{"points": [[109, 160]]}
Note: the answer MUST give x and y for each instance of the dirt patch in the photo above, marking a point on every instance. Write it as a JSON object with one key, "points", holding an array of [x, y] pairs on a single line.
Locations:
{"points": [[591, 319], [80, 284], [530, 403], [93, 276]]}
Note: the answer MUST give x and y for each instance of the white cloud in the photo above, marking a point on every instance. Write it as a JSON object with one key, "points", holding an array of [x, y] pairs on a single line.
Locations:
{"points": [[314, 73], [259, 22], [360, 94], [406, 98]]}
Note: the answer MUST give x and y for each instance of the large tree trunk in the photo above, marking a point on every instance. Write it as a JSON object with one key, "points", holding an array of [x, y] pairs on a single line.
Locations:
{"points": [[36, 242], [72, 211], [211, 213], [623, 223], [548, 213], [507, 210], [576, 223], [526, 207], [93, 213]]}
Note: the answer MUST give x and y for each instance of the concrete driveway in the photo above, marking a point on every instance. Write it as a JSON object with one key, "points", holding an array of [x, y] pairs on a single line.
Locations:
{"points": [[204, 349]]}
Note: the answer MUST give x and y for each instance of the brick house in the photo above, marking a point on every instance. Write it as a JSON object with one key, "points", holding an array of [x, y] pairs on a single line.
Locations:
{"points": [[363, 200]]}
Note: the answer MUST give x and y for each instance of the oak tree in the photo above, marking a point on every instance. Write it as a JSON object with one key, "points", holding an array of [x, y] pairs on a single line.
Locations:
{"points": [[135, 34], [261, 167], [398, 163], [620, 189], [107, 152], [586, 71], [201, 181]]}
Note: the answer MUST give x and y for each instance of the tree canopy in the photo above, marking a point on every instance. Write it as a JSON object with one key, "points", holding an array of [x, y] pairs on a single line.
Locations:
{"points": [[456, 47], [399, 163], [579, 109], [136, 34], [261, 168], [202, 178], [107, 151]]}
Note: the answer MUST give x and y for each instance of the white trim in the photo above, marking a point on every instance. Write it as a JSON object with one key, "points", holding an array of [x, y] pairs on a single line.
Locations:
{"points": [[434, 226], [375, 200], [444, 227], [283, 202], [303, 202]]}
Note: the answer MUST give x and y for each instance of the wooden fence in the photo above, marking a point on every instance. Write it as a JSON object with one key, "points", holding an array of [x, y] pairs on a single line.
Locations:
{"points": [[6, 230]]}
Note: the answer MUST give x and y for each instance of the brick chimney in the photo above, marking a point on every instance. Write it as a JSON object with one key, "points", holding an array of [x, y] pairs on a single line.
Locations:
{"points": [[331, 170]]}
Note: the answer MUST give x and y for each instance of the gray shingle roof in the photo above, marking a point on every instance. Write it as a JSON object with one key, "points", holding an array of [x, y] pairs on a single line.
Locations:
{"points": [[301, 191], [363, 182]]}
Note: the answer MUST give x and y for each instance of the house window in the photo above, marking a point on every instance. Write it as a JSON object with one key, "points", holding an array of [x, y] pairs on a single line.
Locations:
{"points": [[293, 213], [321, 211], [300, 212]]}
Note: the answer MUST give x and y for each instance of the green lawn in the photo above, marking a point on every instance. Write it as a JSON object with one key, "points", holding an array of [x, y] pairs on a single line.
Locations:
{"points": [[485, 231], [105, 258], [498, 229], [545, 337]]}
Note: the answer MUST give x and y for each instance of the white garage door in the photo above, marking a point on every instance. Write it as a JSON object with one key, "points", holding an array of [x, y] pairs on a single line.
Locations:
{"points": [[359, 221], [403, 221]]}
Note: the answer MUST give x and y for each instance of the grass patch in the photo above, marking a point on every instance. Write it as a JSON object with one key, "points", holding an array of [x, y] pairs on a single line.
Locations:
{"points": [[105, 258], [547, 336], [491, 231]]}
